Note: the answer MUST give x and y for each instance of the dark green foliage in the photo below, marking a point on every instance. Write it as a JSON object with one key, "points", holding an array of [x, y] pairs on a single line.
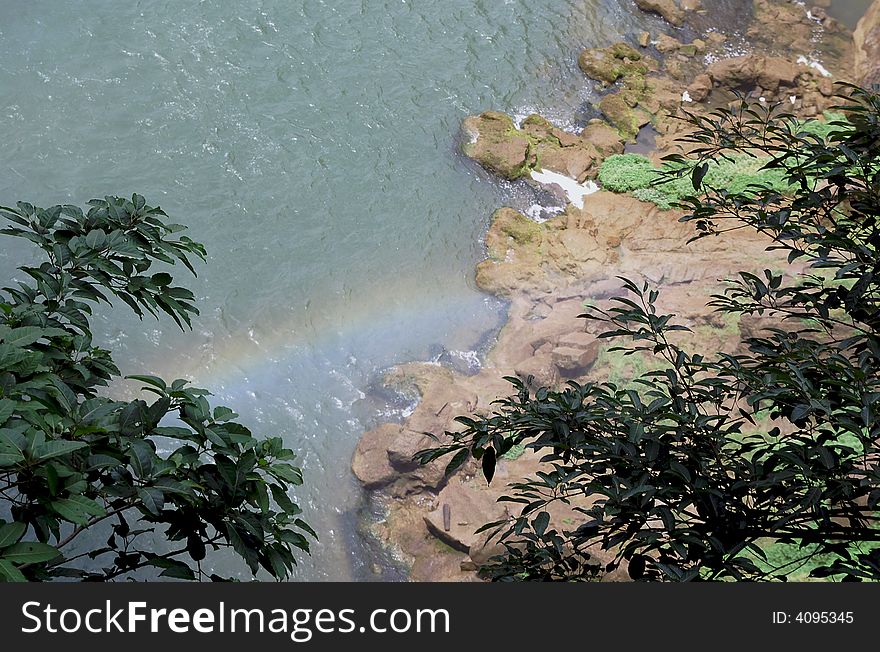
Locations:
{"points": [[692, 480], [74, 462]]}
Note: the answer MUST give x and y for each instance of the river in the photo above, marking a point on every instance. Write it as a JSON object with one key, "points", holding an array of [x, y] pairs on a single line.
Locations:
{"points": [[312, 146]]}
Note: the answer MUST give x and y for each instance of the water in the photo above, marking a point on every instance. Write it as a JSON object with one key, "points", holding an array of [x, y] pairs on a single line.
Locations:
{"points": [[312, 147]]}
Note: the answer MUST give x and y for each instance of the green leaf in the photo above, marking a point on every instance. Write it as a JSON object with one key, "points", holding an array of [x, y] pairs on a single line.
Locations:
{"points": [[10, 533], [488, 463], [142, 455], [153, 381], [24, 336], [30, 552], [57, 448], [540, 523], [7, 409], [286, 472], [96, 239], [457, 461], [152, 499], [9, 573], [77, 509], [305, 526]]}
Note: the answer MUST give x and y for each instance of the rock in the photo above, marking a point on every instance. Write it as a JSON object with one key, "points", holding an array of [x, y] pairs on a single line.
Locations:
{"points": [[579, 340], [867, 46], [603, 137], [607, 65], [700, 88], [469, 507], [412, 476], [668, 9], [485, 547], [623, 115], [370, 462], [666, 43], [496, 144], [644, 39], [751, 71], [543, 371], [574, 362], [510, 227]]}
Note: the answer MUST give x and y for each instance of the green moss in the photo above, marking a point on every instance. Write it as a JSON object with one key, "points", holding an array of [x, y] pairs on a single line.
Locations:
{"points": [[624, 370], [607, 65], [626, 172], [521, 229], [822, 128], [636, 174]]}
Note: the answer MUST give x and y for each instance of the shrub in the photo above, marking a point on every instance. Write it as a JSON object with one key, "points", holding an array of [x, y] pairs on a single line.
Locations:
{"points": [[720, 458], [88, 492]]}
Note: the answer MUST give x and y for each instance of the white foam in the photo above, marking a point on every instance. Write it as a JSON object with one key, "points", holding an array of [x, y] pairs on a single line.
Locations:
{"points": [[574, 190], [815, 65], [686, 97]]}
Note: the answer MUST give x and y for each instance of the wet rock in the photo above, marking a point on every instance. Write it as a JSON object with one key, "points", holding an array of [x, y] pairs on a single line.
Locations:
{"points": [[644, 39], [607, 65], [867, 46], [668, 9], [496, 144], [620, 111]]}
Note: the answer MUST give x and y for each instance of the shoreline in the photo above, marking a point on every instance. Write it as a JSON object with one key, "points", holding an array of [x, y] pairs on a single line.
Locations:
{"points": [[547, 269]]}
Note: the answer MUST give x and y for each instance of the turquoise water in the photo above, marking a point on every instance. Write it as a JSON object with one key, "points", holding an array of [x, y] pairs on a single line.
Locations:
{"points": [[312, 147]]}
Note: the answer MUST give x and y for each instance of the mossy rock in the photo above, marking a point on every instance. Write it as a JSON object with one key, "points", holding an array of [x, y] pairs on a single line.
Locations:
{"points": [[607, 65], [496, 144], [621, 110], [516, 226]]}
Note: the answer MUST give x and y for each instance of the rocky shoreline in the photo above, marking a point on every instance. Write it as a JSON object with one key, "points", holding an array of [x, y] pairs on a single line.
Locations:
{"points": [[548, 270]]}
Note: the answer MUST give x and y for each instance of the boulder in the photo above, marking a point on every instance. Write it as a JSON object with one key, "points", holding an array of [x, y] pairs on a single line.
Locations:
{"points": [[603, 137], [607, 65], [461, 510], [668, 9], [541, 369], [754, 71], [623, 114], [575, 362], [867, 46], [370, 462], [496, 144], [700, 88]]}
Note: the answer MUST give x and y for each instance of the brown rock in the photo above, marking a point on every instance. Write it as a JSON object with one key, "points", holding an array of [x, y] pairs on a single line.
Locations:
{"points": [[666, 8], [542, 370], [867, 46], [666, 43], [496, 144], [470, 506], [752, 71], [700, 88], [603, 137], [644, 39], [607, 65], [573, 362], [370, 462]]}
